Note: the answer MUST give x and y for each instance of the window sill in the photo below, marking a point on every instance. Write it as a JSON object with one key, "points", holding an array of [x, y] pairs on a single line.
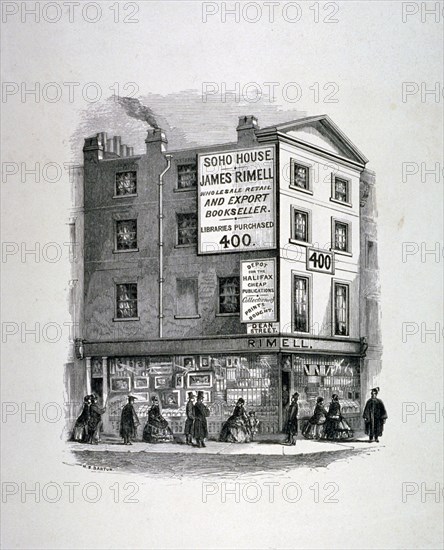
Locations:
{"points": [[184, 189], [185, 245], [341, 252], [301, 189], [336, 201], [228, 314], [299, 243], [125, 196], [125, 319], [187, 316], [125, 251], [341, 335]]}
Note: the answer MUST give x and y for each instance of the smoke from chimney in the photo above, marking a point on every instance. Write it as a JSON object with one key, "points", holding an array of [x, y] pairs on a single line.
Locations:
{"points": [[135, 109]]}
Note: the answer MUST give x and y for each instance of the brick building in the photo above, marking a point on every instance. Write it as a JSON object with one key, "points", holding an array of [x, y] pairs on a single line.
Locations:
{"points": [[247, 269]]}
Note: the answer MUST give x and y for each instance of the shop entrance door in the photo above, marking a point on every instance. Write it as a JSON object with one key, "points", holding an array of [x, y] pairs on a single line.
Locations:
{"points": [[97, 387]]}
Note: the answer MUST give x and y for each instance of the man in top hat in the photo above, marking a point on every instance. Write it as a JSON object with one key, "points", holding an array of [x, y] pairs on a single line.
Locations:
{"points": [[291, 428], [374, 416], [129, 421], [200, 428], [189, 422]]}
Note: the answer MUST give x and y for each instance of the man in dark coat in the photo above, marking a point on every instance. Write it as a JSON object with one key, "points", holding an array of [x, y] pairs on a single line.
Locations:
{"points": [[129, 421], [375, 416], [291, 428], [189, 422], [200, 428]]}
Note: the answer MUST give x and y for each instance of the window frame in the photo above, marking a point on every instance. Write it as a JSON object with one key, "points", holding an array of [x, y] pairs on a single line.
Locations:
{"points": [[178, 165], [335, 284], [294, 162], [293, 210], [333, 248], [116, 309], [308, 277], [196, 315], [125, 250], [116, 195], [334, 177], [218, 311], [185, 245]]}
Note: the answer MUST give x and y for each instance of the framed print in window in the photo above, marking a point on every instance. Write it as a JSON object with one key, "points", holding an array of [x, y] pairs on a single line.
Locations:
{"points": [[188, 362], [170, 399], [161, 382], [141, 382], [120, 383], [199, 379], [179, 380], [204, 362]]}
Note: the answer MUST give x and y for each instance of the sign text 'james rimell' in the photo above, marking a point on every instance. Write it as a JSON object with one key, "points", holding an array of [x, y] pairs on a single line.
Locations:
{"points": [[236, 200]]}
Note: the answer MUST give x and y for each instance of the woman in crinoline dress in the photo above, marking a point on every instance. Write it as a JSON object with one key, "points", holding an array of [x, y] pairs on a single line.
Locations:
{"points": [[237, 428], [336, 427], [314, 427], [156, 429], [80, 432]]}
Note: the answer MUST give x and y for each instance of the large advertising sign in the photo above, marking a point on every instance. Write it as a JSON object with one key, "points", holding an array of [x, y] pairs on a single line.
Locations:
{"points": [[258, 290], [236, 194]]}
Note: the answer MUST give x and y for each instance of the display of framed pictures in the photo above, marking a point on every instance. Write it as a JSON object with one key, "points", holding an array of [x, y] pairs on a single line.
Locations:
{"points": [[179, 380], [199, 379], [141, 382], [162, 382], [170, 399], [120, 383], [233, 362]]}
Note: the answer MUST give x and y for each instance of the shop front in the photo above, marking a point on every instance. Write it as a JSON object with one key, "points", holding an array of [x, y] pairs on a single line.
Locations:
{"points": [[264, 371]]}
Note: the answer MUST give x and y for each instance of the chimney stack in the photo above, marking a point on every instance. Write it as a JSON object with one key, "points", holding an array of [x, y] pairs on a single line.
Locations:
{"points": [[156, 141], [246, 130]]}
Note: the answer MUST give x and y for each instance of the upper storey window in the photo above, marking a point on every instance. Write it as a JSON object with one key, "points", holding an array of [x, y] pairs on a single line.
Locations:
{"points": [[300, 176], [187, 176], [126, 183]]}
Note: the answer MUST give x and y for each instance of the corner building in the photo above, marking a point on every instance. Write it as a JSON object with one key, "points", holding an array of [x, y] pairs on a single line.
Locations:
{"points": [[247, 269]]}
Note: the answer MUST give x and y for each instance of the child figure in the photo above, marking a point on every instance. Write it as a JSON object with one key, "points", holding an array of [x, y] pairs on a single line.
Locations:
{"points": [[254, 424]]}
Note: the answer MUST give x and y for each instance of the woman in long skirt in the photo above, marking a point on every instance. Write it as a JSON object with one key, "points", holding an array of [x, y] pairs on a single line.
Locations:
{"points": [[314, 428], [336, 427]]}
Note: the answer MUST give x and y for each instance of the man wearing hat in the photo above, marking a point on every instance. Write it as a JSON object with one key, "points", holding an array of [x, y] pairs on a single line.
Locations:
{"points": [[129, 421], [200, 428], [291, 427], [374, 416], [189, 422]]}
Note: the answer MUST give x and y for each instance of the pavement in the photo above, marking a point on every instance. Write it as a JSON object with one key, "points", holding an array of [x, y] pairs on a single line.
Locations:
{"points": [[263, 446]]}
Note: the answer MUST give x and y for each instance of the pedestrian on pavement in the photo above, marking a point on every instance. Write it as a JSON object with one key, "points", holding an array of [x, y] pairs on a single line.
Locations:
{"points": [[95, 424], [189, 422], [375, 416], [315, 426], [200, 428], [291, 427], [129, 421], [80, 432]]}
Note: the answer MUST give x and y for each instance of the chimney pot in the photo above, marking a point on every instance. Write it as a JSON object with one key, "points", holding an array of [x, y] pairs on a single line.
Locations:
{"points": [[117, 141], [110, 145], [123, 150], [156, 141]]}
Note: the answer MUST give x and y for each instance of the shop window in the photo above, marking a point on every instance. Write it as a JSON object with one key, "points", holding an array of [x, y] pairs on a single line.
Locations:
{"points": [[341, 190], [186, 298], [186, 176], [300, 304], [341, 309], [186, 229], [300, 227], [126, 301], [126, 235], [299, 176], [229, 295], [126, 183], [341, 236]]}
